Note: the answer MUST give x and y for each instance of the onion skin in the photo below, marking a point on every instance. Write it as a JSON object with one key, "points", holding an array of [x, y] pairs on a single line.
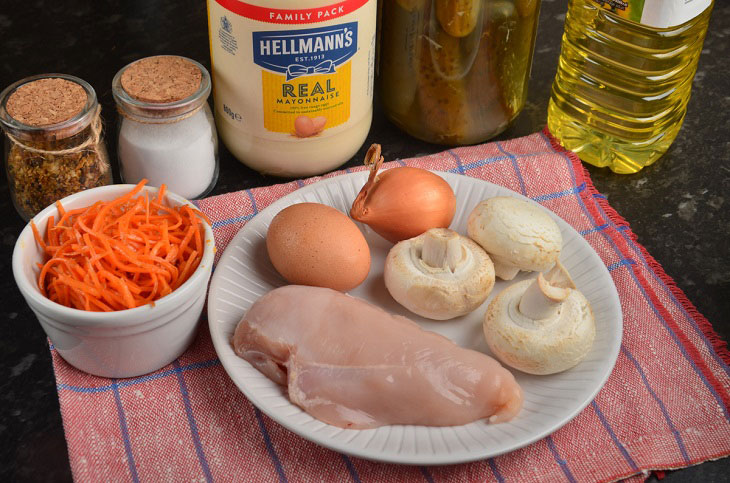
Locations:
{"points": [[404, 202]]}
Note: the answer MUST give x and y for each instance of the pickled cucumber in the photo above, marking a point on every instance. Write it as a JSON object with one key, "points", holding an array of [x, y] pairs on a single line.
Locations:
{"points": [[441, 93], [410, 5], [526, 7], [446, 55], [458, 18], [487, 104], [511, 44], [398, 64], [455, 71]]}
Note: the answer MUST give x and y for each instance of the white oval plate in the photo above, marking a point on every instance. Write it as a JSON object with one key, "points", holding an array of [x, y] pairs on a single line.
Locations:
{"points": [[244, 273]]}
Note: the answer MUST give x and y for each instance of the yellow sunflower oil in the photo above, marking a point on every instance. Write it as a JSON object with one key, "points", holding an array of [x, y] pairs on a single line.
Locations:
{"points": [[624, 78]]}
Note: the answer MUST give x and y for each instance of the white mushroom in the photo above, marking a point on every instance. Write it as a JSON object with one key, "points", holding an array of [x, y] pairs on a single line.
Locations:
{"points": [[518, 235], [439, 274], [540, 326]]}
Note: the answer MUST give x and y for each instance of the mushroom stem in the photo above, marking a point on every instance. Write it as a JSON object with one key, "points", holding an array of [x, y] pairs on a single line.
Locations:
{"points": [[503, 269], [558, 276], [545, 295], [442, 249]]}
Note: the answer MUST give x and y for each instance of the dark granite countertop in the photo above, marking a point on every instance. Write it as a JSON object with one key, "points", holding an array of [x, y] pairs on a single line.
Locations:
{"points": [[678, 207]]}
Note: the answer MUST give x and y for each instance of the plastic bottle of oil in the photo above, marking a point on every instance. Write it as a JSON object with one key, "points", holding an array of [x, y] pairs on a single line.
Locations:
{"points": [[624, 78]]}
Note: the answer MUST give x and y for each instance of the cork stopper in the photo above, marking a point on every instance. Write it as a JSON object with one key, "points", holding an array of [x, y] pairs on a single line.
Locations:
{"points": [[44, 102], [161, 79]]}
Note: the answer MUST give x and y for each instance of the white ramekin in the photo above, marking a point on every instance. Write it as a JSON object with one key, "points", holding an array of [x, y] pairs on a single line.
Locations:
{"points": [[125, 343]]}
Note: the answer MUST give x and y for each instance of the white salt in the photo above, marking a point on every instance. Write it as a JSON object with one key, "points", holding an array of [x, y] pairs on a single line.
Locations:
{"points": [[181, 155]]}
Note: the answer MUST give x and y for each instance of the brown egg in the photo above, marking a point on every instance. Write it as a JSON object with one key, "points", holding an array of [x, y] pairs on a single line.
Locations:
{"points": [[315, 244]]}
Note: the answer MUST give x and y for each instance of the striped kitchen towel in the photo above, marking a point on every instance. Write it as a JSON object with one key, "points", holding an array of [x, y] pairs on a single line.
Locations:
{"points": [[666, 404]]}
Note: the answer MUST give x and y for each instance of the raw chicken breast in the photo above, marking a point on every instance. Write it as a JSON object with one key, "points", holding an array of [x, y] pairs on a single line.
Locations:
{"points": [[353, 365]]}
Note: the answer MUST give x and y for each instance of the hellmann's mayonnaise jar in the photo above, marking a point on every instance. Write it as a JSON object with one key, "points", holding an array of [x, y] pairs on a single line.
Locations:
{"points": [[292, 81]]}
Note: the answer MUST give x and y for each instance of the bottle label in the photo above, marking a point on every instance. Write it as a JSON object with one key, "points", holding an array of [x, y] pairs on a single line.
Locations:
{"points": [[305, 73], [280, 81], [656, 13]]}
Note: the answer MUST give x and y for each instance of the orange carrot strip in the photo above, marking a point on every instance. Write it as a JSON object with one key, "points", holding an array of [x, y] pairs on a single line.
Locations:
{"points": [[49, 229], [37, 236], [165, 234], [69, 214], [202, 215], [132, 287], [101, 305], [193, 260], [119, 254], [198, 241], [161, 193], [188, 237], [114, 203], [121, 288], [44, 271], [80, 286]]}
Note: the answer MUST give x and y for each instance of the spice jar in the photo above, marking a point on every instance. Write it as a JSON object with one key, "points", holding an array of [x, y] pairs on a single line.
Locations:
{"points": [[54, 145], [166, 132], [455, 71]]}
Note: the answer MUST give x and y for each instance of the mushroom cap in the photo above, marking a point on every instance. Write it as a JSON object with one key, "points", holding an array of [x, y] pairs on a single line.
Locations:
{"points": [[516, 233], [438, 293], [543, 346]]}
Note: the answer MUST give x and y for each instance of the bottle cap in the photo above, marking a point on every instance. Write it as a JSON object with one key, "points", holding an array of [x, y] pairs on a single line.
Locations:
{"points": [[161, 79], [48, 101]]}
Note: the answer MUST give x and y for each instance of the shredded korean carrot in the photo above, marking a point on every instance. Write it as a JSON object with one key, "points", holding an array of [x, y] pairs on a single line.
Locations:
{"points": [[119, 254]]}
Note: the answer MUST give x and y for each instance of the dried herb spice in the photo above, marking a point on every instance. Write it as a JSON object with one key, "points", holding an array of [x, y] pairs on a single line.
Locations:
{"points": [[37, 180], [55, 146]]}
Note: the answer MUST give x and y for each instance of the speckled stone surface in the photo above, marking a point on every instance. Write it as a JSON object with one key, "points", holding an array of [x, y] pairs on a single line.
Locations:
{"points": [[678, 207]]}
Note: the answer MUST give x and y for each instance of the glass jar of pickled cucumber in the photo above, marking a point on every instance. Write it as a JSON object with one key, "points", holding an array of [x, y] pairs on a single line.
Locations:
{"points": [[455, 71]]}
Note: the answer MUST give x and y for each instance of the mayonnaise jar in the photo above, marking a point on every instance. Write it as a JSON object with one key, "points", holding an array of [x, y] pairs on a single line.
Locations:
{"points": [[292, 83]]}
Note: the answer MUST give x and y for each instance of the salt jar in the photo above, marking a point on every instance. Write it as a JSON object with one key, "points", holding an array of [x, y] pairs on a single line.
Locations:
{"points": [[54, 141], [166, 131]]}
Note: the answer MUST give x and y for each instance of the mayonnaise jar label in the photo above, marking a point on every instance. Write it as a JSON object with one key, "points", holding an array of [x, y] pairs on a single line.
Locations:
{"points": [[305, 73], [292, 73]]}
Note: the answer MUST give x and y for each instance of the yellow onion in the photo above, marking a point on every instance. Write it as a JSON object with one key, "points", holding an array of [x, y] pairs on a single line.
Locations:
{"points": [[401, 203]]}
